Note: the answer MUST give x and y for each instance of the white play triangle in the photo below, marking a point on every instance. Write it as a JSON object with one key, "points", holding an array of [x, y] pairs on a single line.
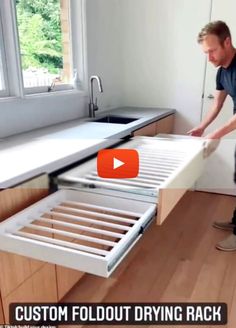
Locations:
{"points": [[117, 163]]}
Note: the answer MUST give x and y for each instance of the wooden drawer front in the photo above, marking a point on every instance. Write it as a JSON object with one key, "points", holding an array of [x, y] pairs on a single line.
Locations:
{"points": [[12, 201], [40, 287], [148, 130], [104, 229], [15, 270], [165, 125], [66, 279], [1, 312], [15, 199]]}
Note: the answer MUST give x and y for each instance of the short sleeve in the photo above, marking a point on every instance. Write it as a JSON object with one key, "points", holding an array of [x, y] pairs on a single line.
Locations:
{"points": [[219, 85]]}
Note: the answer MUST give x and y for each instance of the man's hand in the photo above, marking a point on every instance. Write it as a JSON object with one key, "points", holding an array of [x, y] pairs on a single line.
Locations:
{"points": [[210, 144], [212, 135], [196, 132]]}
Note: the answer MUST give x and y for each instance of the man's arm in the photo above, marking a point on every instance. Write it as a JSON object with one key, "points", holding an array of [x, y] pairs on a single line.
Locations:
{"points": [[225, 129], [219, 99]]}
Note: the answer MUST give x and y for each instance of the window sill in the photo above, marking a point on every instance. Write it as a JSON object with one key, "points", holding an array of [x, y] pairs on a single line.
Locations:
{"points": [[61, 93], [57, 93]]}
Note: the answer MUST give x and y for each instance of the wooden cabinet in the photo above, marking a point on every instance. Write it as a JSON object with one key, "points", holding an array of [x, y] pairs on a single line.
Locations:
{"points": [[40, 287], [15, 199], [15, 269], [164, 125], [23, 279], [66, 279], [148, 130], [1, 312]]}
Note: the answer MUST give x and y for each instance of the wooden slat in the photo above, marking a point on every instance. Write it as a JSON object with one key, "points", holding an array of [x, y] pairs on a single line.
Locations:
{"points": [[71, 234], [83, 219], [67, 244], [104, 216], [103, 208], [81, 227]]}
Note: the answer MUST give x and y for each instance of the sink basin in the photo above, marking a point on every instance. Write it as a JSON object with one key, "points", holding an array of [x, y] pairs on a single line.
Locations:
{"points": [[115, 119]]}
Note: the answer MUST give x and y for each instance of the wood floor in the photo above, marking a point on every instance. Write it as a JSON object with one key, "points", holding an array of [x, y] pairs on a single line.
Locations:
{"points": [[175, 262]]}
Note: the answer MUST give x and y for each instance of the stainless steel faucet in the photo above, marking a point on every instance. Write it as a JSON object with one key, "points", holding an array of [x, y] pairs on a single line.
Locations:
{"points": [[93, 106]]}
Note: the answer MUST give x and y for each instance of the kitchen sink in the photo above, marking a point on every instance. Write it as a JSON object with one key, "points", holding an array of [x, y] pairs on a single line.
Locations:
{"points": [[115, 119]]}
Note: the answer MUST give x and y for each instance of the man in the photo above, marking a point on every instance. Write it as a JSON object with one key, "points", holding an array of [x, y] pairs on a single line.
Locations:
{"points": [[215, 39]]}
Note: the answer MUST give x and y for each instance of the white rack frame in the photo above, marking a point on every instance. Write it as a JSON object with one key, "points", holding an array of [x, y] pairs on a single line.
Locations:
{"points": [[84, 258]]}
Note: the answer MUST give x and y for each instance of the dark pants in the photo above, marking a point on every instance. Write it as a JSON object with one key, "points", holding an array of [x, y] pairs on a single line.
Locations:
{"points": [[234, 221]]}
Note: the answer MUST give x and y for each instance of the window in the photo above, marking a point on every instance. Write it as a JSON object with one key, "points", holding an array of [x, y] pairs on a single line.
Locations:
{"points": [[40, 34], [3, 87], [44, 35]]}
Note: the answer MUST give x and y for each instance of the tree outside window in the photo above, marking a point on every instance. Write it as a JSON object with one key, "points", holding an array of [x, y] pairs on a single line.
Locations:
{"points": [[44, 41]]}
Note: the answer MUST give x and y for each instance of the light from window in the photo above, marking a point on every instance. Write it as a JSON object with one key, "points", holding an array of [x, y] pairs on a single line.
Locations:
{"points": [[2, 84], [44, 34]]}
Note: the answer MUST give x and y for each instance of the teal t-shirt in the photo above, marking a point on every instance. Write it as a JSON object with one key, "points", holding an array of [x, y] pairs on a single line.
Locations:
{"points": [[226, 80]]}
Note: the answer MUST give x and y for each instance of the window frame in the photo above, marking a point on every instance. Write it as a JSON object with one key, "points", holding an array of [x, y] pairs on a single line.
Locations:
{"points": [[11, 56], [5, 91]]}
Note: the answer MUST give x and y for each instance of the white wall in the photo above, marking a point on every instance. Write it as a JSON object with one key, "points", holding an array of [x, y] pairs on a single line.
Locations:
{"points": [[162, 62], [146, 54], [104, 39], [21, 115], [104, 46]]}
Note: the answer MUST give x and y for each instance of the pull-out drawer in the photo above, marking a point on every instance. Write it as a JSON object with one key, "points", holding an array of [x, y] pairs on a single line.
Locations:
{"points": [[91, 229], [79, 230], [167, 168]]}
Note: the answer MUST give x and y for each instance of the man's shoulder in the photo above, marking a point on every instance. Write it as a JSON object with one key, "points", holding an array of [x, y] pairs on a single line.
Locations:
{"points": [[219, 71]]}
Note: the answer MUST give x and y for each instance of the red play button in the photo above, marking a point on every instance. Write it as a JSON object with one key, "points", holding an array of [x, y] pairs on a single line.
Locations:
{"points": [[118, 163]]}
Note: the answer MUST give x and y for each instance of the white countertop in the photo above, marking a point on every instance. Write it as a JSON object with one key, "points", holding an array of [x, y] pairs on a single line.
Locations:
{"points": [[46, 150]]}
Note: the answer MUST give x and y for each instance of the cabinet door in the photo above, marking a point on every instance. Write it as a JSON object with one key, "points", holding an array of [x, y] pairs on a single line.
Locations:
{"points": [[16, 269], [15, 199], [165, 125], [219, 172], [1, 312], [40, 287], [66, 279], [148, 130]]}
